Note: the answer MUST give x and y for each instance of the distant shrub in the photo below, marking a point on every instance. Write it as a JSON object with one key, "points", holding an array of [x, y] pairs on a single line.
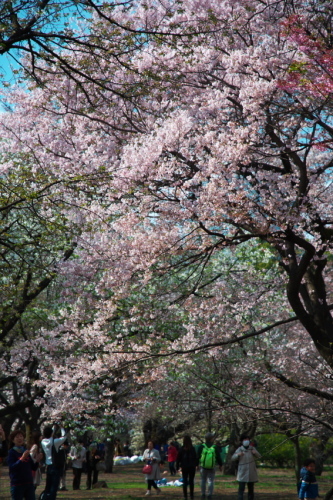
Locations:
{"points": [[278, 451]]}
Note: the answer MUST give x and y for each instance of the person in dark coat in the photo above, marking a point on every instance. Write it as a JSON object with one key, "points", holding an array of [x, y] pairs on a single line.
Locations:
{"points": [[21, 466], [308, 484], [93, 457], [187, 461]]}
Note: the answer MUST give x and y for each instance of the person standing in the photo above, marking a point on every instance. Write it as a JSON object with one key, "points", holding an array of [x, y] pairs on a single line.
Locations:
{"points": [[93, 458], [208, 457], [247, 471], [21, 466], [163, 452], [53, 461], [308, 485], [172, 457], [152, 457], [187, 460], [78, 455]]}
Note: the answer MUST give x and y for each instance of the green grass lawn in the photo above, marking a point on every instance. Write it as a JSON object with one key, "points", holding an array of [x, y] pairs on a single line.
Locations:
{"points": [[127, 483]]}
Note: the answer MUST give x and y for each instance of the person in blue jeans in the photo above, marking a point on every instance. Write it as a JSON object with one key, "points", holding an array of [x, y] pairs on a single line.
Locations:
{"points": [[208, 472], [21, 466], [308, 487], [50, 446]]}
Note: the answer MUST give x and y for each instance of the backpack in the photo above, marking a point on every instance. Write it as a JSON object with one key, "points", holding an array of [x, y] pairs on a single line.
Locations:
{"points": [[58, 457], [208, 457]]}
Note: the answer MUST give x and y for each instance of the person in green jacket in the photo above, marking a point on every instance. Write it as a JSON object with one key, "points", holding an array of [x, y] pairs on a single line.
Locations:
{"points": [[208, 457]]}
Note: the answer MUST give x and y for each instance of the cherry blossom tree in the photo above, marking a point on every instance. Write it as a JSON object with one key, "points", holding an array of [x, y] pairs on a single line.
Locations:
{"points": [[233, 160], [312, 68], [35, 240], [36, 34], [203, 154]]}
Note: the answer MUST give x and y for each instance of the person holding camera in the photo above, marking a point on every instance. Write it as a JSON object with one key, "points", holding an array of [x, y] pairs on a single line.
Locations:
{"points": [[21, 465], [53, 459]]}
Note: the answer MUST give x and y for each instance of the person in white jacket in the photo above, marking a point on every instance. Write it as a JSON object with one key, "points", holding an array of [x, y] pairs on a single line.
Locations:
{"points": [[152, 457], [78, 455], [53, 471], [247, 471]]}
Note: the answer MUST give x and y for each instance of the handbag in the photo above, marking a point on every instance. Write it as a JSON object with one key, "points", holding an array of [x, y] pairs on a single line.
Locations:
{"points": [[101, 466], [147, 469]]}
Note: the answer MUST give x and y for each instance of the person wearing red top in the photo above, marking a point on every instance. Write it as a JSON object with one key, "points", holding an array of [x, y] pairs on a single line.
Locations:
{"points": [[172, 457]]}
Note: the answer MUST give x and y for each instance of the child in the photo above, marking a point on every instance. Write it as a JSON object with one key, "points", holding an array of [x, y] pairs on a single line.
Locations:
{"points": [[308, 485]]}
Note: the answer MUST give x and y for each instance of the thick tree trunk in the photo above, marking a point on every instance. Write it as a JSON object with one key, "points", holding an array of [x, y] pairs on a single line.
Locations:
{"points": [[230, 466], [320, 453], [298, 455], [306, 291]]}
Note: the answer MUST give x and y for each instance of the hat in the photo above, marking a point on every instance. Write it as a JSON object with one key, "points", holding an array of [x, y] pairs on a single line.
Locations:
{"points": [[209, 436]]}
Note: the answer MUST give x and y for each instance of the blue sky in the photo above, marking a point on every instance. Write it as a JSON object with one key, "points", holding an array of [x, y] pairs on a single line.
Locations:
{"points": [[7, 61], [7, 65]]}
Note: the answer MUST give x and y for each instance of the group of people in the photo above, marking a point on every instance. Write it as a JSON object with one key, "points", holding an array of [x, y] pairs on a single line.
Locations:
{"points": [[205, 458], [168, 453], [53, 451]]}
